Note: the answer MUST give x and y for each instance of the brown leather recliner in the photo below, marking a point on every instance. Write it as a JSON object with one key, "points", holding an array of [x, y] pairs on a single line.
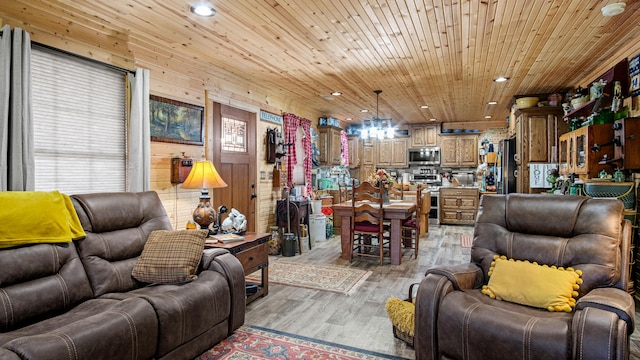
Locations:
{"points": [[454, 320]]}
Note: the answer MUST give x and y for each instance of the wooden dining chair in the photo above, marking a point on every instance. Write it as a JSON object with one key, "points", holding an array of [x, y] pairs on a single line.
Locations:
{"points": [[411, 227], [396, 193], [367, 222]]}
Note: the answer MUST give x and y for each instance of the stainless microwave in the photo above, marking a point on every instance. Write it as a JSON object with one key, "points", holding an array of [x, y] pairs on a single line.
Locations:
{"points": [[424, 156]]}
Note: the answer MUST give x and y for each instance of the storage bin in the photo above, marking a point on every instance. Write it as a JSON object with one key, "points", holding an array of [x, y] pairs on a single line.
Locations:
{"points": [[317, 227]]}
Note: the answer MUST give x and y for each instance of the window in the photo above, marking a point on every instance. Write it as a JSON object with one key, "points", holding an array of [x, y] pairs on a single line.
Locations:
{"points": [[79, 115]]}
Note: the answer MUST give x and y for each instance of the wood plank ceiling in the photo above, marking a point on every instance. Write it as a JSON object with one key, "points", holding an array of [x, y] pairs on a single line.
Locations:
{"points": [[444, 54]]}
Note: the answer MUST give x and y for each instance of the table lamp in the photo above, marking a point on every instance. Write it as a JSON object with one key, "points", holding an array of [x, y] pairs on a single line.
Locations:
{"points": [[203, 175]]}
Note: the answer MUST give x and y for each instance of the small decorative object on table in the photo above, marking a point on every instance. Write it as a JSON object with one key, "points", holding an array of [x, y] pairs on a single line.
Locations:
{"points": [[382, 178], [235, 223]]}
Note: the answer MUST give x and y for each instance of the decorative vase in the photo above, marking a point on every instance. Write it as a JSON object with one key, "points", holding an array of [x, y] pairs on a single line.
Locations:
{"points": [[385, 195]]}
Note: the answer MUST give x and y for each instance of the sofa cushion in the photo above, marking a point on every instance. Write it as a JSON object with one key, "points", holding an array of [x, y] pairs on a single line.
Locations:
{"points": [[95, 329], [526, 283], [170, 257], [39, 280], [185, 310], [117, 227], [479, 321]]}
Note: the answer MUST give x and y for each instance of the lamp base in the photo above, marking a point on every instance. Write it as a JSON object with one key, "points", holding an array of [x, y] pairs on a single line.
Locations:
{"points": [[204, 214]]}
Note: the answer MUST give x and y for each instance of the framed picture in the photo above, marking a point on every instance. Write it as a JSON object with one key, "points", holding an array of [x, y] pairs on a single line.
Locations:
{"points": [[176, 122]]}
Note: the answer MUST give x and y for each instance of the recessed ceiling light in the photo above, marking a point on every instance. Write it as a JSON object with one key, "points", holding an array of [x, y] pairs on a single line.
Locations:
{"points": [[336, 93], [203, 10], [492, 102], [349, 119], [487, 116], [613, 9], [424, 106], [501, 79], [364, 110], [432, 119]]}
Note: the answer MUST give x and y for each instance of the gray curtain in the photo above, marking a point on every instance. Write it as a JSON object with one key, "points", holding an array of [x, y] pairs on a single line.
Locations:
{"points": [[16, 115], [139, 133]]}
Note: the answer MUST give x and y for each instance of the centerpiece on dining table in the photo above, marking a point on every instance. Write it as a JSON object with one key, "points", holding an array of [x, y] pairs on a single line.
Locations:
{"points": [[381, 178]]}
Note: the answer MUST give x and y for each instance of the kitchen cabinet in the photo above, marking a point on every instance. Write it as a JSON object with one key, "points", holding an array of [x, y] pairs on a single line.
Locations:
{"points": [[458, 205], [459, 150], [354, 151], [392, 153], [424, 135], [368, 164], [537, 132], [576, 155], [330, 145]]}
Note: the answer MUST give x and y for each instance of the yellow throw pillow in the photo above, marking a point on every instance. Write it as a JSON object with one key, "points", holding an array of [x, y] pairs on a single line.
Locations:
{"points": [[547, 287], [170, 257]]}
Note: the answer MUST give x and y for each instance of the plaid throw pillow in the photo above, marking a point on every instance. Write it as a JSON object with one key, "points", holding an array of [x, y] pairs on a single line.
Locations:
{"points": [[170, 257]]}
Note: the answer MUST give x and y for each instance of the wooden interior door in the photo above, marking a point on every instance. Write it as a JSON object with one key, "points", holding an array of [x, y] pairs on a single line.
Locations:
{"points": [[234, 155]]}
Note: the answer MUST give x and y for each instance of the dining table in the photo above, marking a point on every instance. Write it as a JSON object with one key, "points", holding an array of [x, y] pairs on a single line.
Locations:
{"points": [[396, 211]]}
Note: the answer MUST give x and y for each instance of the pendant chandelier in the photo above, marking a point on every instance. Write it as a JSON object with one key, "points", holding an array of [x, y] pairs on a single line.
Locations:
{"points": [[377, 128]]}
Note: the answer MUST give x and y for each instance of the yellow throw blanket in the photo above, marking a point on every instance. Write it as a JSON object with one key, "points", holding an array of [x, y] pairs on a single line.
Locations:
{"points": [[32, 217]]}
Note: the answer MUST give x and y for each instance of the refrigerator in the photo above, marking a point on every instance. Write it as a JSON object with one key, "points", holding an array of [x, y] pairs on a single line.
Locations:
{"points": [[508, 172]]}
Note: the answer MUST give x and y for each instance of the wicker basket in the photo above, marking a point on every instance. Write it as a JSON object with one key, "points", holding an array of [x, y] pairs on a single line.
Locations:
{"points": [[404, 336]]}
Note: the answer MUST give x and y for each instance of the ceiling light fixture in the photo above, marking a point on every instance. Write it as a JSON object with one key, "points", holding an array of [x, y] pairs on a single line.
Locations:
{"points": [[336, 93], [424, 106], [487, 116], [376, 127], [203, 10], [364, 111], [432, 119], [501, 79], [613, 9], [492, 102]]}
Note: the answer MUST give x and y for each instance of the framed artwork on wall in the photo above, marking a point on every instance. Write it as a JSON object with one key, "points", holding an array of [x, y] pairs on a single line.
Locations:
{"points": [[176, 122]]}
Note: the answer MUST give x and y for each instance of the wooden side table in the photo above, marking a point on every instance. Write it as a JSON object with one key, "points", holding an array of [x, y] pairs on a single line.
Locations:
{"points": [[253, 253]]}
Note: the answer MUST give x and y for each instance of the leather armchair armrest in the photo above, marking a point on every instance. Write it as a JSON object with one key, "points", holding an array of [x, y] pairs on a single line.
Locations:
{"points": [[224, 262], [612, 300], [438, 282], [463, 277]]}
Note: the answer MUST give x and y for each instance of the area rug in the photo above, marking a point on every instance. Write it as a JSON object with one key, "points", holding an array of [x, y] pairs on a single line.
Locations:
{"points": [[466, 241], [252, 342], [318, 277]]}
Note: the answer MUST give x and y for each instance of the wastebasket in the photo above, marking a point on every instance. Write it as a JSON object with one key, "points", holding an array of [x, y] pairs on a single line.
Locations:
{"points": [[289, 244], [317, 227]]}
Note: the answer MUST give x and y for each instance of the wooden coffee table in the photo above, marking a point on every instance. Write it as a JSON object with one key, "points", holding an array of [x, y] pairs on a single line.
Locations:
{"points": [[253, 253]]}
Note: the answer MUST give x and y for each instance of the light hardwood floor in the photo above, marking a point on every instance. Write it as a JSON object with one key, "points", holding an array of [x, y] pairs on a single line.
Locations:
{"points": [[359, 319]]}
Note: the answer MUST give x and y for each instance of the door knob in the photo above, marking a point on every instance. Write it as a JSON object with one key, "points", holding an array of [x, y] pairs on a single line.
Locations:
{"points": [[253, 195]]}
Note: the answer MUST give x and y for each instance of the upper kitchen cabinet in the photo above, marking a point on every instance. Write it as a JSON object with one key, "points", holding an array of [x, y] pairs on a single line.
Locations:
{"points": [[537, 132], [354, 151], [330, 145], [424, 135], [368, 163], [459, 150], [392, 152]]}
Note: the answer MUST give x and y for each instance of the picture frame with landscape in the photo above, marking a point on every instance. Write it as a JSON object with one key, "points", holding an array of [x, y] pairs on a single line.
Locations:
{"points": [[175, 121]]}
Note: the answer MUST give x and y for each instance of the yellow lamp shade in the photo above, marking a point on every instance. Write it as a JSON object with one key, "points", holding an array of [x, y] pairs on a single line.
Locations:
{"points": [[203, 175]]}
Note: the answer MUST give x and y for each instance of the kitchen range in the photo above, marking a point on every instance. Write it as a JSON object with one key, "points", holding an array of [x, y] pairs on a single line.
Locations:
{"points": [[429, 176]]}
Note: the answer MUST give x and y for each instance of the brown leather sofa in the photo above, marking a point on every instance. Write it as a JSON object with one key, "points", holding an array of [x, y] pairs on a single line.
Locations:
{"points": [[454, 320], [79, 301]]}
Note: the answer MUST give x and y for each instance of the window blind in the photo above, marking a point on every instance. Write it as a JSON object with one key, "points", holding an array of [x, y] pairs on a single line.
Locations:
{"points": [[79, 113]]}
